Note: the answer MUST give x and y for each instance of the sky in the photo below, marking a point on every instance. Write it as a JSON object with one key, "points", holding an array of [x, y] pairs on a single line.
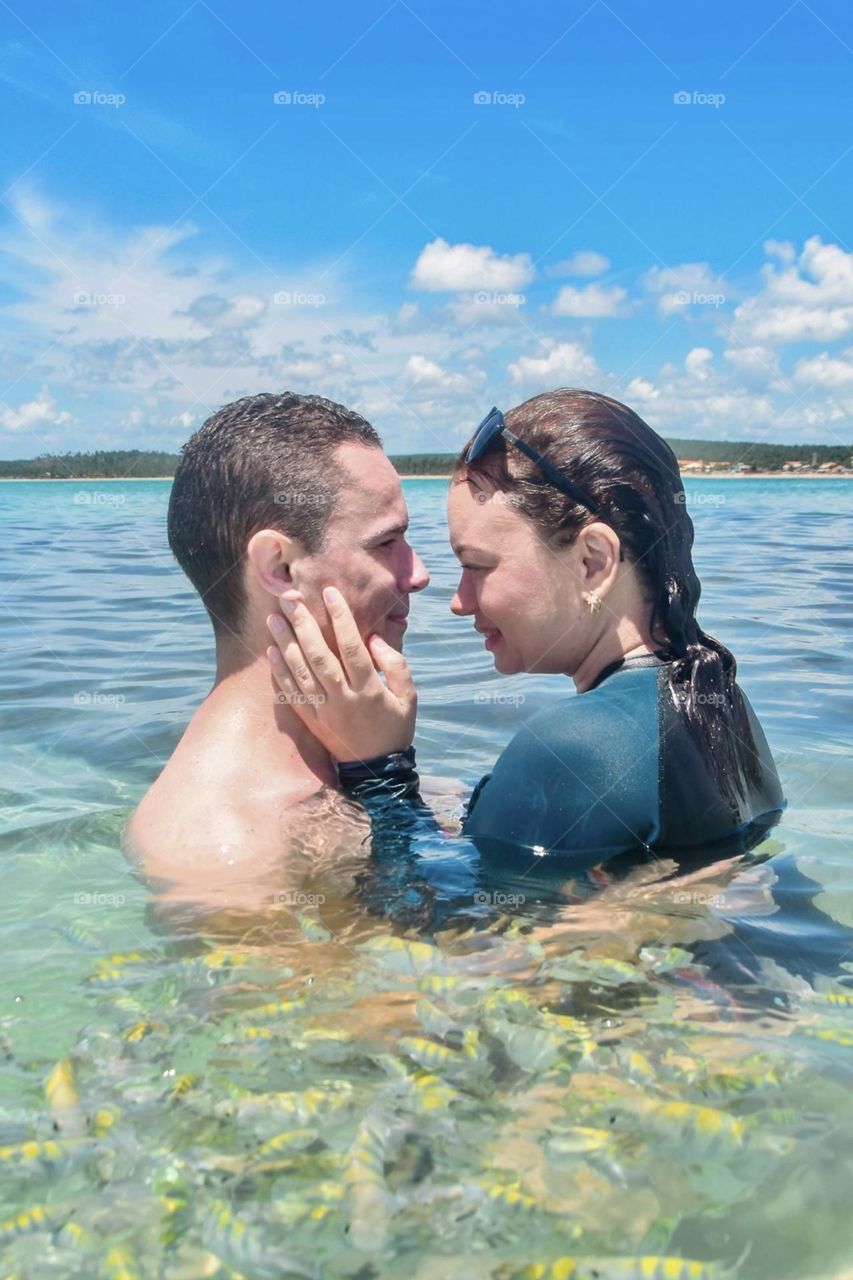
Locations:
{"points": [[422, 208]]}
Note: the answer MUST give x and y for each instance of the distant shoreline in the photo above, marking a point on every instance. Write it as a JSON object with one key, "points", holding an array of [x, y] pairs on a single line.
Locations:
{"points": [[685, 475]]}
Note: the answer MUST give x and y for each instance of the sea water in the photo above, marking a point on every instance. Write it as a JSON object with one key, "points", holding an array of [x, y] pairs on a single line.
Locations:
{"points": [[479, 1078]]}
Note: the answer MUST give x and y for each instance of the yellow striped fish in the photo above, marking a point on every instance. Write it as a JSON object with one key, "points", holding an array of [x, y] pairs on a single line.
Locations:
{"points": [[371, 1203], [696, 1132], [35, 1153], [40, 1217], [241, 1247], [647, 1267], [118, 1265], [64, 1101], [402, 955]]}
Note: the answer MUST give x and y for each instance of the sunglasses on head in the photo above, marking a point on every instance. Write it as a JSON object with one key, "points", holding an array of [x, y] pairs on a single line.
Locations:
{"points": [[493, 426]]}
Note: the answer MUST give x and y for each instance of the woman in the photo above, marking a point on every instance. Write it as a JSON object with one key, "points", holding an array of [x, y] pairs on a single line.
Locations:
{"points": [[570, 523]]}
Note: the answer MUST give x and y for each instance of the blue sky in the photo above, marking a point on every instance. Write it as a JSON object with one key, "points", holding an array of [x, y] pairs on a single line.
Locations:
{"points": [[423, 209]]}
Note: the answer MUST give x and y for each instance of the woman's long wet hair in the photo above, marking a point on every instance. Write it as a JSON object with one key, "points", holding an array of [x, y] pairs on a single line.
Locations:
{"points": [[616, 458]]}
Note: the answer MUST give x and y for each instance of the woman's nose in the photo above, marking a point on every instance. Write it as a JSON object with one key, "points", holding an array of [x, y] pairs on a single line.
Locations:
{"points": [[460, 605]]}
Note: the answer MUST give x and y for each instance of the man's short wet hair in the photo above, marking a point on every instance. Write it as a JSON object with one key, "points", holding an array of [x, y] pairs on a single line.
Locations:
{"points": [[263, 462]]}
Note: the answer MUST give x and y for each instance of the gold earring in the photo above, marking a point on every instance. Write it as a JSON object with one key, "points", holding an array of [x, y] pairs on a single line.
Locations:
{"points": [[593, 603]]}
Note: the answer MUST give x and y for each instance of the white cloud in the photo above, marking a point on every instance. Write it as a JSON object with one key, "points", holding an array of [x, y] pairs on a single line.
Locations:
{"points": [[566, 364], [592, 301], [641, 389], [826, 370], [810, 299], [586, 262], [168, 331], [696, 362], [753, 361], [784, 250], [488, 307], [409, 319], [213, 312], [426, 375], [34, 413], [695, 399], [457, 268], [690, 284]]}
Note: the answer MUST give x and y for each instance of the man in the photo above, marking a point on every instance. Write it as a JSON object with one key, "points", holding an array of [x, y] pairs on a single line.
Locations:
{"points": [[274, 493]]}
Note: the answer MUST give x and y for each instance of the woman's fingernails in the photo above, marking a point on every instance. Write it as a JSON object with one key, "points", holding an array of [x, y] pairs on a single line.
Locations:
{"points": [[276, 623], [274, 656], [331, 595], [288, 605]]}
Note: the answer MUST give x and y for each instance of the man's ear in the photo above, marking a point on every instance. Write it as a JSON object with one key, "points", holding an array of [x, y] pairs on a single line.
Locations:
{"points": [[270, 559]]}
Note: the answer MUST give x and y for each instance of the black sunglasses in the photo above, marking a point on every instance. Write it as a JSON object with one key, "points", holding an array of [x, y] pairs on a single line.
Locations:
{"points": [[493, 426]]}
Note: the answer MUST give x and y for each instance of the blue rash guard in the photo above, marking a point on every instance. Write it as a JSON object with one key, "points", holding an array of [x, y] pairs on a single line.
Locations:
{"points": [[612, 770]]}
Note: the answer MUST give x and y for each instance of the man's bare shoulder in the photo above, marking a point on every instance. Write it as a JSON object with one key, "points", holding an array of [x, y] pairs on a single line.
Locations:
{"points": [[190, 812], [235, 838]]}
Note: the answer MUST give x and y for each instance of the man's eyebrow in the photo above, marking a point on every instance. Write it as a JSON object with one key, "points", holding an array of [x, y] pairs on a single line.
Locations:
{"points": [[389, 531]]}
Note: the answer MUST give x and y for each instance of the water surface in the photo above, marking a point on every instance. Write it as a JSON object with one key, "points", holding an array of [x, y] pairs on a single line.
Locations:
{"points": [[478, 1082]]}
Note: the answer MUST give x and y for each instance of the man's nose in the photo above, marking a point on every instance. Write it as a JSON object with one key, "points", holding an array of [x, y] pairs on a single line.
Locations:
{"points": [[418, 573]]}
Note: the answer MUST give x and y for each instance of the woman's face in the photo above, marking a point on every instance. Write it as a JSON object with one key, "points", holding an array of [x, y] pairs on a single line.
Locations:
{"points": [[523, 596]]}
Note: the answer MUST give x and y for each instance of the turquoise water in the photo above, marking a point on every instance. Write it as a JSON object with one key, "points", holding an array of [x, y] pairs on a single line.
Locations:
{"points": [[481, 1082]]}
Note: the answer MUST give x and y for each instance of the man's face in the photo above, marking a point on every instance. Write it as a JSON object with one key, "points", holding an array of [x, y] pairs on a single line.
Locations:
{"points": [[364, 552]]}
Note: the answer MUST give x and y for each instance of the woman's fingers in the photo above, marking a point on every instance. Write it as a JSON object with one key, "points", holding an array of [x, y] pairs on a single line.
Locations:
{"points": [[323, 664], [304, 703], [395, 668], [357, 662], [298, 671]]}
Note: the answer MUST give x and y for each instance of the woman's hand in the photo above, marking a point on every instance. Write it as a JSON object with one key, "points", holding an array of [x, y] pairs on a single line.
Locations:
{"points": [[344, 702]]}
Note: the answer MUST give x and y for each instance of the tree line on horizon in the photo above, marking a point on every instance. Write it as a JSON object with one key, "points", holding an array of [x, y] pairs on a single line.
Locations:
{"points": [[128, 463]]}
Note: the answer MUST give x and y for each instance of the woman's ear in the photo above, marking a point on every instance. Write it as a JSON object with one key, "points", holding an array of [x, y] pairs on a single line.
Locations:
{"points": [[270, 558], [600, 551]]}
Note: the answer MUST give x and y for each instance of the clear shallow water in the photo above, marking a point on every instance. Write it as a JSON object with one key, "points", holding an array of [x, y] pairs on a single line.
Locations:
{"points": [[568, 1066]]}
